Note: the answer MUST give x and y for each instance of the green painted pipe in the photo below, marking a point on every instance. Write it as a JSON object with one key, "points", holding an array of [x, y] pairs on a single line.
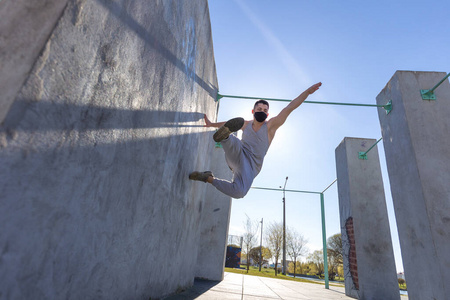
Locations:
{"points": [[280, 190], [324, 238], [439, 83], [219, 96], [363, 155]]}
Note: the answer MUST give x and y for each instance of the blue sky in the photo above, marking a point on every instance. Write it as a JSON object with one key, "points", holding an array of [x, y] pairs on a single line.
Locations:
{"points": [[277, 49]]}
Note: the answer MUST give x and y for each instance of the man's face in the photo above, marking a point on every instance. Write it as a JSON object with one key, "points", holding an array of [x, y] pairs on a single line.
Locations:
{"points": [[261, 107]]}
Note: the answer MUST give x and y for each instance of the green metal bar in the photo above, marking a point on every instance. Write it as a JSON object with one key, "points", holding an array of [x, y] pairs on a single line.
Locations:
{"points": [[439, 83], [363, 155], [429, 94], [280, 190], [324, 234], [219, 96], [324, 238]]}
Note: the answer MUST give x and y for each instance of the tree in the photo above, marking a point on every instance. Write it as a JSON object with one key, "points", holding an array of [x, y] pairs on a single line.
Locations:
{"points": [[274, 237], [312, 268], [316, 260], [296, 246], [305, 268], [249, 238], [254, 254], [301, 267], [297, 267], [334, 246], [335, 254]]}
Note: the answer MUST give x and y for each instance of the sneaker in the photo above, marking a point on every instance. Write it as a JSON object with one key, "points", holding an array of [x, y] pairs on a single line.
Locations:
{"points": [[200, 176], [224, 132]]}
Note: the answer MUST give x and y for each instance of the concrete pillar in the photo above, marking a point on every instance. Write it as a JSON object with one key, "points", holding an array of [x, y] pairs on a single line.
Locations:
{"points": [[416, 141], [214, 224], [369, 265], [96, 146]]}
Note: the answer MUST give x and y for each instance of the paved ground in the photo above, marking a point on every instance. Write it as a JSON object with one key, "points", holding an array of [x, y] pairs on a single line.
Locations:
{"points": [[238, 286]]}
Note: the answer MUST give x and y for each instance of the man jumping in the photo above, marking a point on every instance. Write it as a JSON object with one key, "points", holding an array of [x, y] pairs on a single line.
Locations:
{"points": [[245, 157]]}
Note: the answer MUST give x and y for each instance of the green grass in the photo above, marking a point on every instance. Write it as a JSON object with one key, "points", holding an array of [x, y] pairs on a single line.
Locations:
{"points": [[254, 271]]}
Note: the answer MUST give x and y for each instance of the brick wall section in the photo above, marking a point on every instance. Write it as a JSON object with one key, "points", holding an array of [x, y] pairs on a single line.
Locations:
{"points": [[352, 253]]}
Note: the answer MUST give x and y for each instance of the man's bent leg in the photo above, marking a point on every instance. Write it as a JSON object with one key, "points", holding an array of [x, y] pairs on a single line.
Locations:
{"points": [[232, 147], [229, 188], [238, 188], [243, 174]]}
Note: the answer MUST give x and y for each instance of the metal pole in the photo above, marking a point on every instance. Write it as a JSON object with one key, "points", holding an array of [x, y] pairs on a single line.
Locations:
{"points": [[284, 228], [387, 107], [219, 96], [439, 83], [260, 246], [363, 155], [295, 191], [329, 186], [429, 94], [324, 237]]}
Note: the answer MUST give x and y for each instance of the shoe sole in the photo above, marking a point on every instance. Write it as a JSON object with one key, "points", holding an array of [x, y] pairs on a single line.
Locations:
{"points": [[230, 126], [200, 176]]}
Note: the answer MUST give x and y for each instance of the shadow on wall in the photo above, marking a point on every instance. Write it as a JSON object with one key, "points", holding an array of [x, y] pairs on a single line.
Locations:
{"points": [[76, 190], [52, 135], [145, 35], [44, 139], [94, 207], [30, 115]]}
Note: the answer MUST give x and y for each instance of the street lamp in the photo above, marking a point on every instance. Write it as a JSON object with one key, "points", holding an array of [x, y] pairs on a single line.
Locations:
{"points": [[260, 246], [284, 228]]}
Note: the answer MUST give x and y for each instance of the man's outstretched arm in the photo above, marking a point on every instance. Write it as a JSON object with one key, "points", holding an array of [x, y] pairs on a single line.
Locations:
{"points": [[208, 123], [279, 120]]}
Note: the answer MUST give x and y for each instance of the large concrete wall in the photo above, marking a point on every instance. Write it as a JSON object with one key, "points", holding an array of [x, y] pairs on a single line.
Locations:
{"points": [[416, 142], [369, 264], [96, 149]]}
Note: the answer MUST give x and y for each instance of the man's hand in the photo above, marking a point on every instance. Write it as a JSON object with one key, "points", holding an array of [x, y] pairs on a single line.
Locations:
{"points": [[279, 120], [207, 122], [313, 88]]}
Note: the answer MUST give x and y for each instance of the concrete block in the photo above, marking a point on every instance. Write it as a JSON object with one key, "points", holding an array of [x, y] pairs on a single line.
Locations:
{"points": [[417, 148], [369, 264], [214, 224], [96, 149]]}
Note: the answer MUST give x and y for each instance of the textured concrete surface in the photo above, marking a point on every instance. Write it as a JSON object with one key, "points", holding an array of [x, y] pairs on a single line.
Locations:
{"points": [[239, 286], [96, 150], [362, 198], [25, 27], [415, 138], [214, 223]]}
